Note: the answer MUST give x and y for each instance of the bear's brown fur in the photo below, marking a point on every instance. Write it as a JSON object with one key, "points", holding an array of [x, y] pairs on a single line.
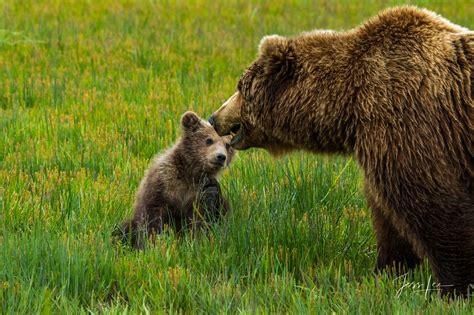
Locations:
{"points": [[180, 188], [397, 93]]}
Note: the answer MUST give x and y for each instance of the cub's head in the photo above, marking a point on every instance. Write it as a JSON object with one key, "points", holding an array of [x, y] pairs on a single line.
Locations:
{"points": [[204, 148], [260, 112]]}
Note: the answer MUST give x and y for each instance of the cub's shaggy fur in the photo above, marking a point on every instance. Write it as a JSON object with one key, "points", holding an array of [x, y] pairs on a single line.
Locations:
{"points": [[398, 94], [180, 188]]}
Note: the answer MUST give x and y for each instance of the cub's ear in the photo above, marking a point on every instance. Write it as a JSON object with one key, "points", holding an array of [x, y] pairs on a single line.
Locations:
{"points": [[277, 56], [190, 121]]}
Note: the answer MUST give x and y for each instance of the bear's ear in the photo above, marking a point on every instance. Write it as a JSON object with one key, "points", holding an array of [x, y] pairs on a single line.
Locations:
{"points": [[278, 56], [190, 121]]}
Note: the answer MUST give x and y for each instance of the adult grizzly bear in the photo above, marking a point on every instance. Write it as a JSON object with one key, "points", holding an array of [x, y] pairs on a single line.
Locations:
{"points": [[396, 92]]}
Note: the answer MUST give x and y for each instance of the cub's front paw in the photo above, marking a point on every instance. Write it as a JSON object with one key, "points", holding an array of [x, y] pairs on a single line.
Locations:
{"points": [[207, 182], [211, 194]]}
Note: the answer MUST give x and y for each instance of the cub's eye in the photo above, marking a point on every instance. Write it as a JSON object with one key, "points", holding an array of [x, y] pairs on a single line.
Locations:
{"points": [[209, 141], [227, 146]]}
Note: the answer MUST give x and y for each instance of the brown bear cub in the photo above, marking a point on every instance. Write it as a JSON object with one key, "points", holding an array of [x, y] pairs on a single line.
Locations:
{"points": [[180, 188]]}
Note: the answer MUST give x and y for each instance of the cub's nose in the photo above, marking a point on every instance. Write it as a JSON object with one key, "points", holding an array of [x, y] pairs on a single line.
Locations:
{"points": [[220, 158]]}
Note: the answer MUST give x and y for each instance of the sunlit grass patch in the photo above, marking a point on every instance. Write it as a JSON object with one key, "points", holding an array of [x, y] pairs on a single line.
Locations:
{"points": [[90, 91]]}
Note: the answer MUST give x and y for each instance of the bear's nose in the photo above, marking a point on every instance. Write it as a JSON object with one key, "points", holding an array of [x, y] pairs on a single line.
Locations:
{"points": [[221, 157], [212, 120]]}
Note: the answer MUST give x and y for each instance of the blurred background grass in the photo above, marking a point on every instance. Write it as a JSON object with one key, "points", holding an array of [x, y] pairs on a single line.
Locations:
{"points": [[89, 92]]}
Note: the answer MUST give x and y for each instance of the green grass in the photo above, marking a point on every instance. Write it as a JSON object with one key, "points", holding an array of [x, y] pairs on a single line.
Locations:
{"points": [[90, 92]]}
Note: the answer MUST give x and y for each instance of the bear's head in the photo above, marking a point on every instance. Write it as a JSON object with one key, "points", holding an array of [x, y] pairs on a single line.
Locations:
{"points": [[203, 147], [254, 112], [287, 99]]}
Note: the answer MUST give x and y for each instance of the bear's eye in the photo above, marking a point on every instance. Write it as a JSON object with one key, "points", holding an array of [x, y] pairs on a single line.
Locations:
{"points": [[209, 141], [227, 146]]}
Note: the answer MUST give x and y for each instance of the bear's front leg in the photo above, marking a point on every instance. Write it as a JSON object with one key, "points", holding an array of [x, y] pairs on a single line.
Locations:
{"points": [[448, 240], [211, 201], [393, 250]]}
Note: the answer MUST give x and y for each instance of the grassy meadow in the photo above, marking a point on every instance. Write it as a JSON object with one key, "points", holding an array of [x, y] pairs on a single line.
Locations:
{"points": [[91, 90]]}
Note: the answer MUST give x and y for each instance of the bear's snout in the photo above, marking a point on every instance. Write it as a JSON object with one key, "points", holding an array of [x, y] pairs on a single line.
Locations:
{"points": [[227, 116], [212, 120], [220, 158]]}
